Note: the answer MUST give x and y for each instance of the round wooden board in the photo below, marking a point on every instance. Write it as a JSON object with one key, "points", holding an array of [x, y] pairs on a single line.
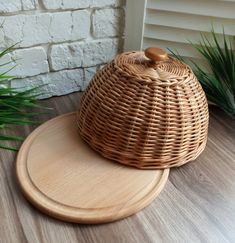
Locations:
{"points": [[63, 177]]}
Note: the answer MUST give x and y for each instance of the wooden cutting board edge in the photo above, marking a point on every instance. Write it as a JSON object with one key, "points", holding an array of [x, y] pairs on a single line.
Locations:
{"points": [[64, 212]]}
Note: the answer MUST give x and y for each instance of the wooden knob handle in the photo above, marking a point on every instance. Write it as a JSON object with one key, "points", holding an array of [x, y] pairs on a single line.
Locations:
{"points": [[156, 54]]}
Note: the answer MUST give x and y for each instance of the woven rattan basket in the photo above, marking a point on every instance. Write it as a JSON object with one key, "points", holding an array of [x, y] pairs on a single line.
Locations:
{"points": [[146, 110]]}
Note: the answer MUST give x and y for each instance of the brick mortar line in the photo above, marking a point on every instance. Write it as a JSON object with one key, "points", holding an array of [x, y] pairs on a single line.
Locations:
{"points": [[43, 11]]}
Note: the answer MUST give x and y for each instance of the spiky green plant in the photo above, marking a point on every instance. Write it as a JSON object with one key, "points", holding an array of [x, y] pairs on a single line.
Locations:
{"points": [[13, 105], [219, 82]]}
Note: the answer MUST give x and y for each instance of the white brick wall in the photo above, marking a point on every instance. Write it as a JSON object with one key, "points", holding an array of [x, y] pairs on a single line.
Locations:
{"points": [[99, 20], [8, 6], [60, 42]]}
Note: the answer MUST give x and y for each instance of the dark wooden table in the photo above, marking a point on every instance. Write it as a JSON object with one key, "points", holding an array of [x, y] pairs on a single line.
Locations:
{"points": [[197, 204]]}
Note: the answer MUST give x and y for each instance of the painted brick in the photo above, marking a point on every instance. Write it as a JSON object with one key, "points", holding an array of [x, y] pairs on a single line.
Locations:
{"points": [[88, 75], [29, 30], [29, 62], [99, 52], [57, 83], [83, 54], [77, 4], [66, 56], [107, 22], [7, 6]]}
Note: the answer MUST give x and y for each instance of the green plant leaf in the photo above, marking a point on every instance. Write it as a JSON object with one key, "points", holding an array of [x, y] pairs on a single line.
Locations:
{"points": [[219, 85], [16, 106]]}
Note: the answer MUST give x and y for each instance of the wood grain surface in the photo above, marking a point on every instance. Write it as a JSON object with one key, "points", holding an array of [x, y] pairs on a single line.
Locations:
{"points": [[197, 204], [65, 178]]}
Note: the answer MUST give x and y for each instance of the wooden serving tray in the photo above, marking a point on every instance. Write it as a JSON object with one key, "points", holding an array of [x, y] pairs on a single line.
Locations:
{"points": [[64, 178]]}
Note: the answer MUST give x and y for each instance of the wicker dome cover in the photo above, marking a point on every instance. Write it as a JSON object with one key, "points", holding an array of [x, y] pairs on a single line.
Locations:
{"points": [[146, 113]]}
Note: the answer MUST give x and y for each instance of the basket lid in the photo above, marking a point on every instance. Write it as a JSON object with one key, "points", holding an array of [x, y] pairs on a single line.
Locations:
{"points": [[152, 66]]}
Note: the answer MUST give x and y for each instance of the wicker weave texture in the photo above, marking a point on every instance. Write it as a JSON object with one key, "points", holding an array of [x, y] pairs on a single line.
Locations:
{"points": [[145, 114]]}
